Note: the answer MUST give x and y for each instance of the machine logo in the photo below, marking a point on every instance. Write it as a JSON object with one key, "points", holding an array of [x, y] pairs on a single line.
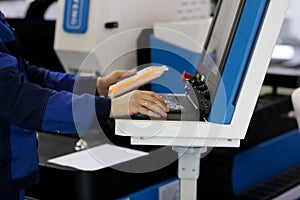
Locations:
{"points": [[76, 16]]}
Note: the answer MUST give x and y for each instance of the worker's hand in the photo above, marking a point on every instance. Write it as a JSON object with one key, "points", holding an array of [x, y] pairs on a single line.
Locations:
{"points": [[103, 83], [143, 102]]}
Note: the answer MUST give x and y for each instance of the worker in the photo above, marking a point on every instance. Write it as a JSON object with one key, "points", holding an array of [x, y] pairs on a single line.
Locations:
{"points": [[34, 98]]}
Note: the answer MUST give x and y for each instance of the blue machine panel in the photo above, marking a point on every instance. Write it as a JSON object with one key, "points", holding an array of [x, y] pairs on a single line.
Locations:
{"points": [[76, 16]]}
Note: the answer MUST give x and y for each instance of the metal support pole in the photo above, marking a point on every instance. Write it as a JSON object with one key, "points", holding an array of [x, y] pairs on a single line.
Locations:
{"points": [[189, 170]]}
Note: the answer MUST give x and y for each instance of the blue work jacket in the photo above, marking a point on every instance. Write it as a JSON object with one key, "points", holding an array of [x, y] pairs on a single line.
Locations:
{"points": [[32, 99]]}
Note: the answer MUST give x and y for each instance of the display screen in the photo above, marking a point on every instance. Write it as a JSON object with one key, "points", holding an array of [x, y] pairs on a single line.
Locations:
{"points": [[218, 43]]}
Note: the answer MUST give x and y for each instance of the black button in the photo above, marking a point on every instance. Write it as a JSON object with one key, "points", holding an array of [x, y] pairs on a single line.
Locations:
{"points": [[110, 25]]}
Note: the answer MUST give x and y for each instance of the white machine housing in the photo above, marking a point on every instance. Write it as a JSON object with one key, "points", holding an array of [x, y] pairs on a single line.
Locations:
{"points": [[207, 134], [125, 20]]}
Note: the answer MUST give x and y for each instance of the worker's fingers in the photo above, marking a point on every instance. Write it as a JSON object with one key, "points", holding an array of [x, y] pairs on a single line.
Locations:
{"points": [[154, 99], [154, 107], [147, 103], [150, 113]]}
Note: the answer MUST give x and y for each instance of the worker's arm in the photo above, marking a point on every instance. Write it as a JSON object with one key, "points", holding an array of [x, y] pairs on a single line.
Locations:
{"points": [[33, 107], [61, 81]]}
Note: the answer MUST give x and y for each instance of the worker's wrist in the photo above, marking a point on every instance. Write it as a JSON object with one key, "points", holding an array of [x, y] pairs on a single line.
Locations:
{"points": [[100, 85]]}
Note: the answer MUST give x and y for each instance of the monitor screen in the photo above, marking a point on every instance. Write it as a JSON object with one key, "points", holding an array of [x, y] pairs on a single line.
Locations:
{"points": [[218, 42]]}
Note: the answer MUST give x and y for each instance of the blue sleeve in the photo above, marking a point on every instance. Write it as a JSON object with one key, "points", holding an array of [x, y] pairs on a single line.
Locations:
{"points": [[54, 80], [57, 80], [32, 107], [70, 113]]}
